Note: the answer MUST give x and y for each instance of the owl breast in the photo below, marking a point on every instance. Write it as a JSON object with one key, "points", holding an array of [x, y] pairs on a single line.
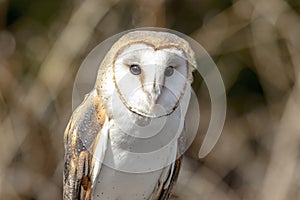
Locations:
{"points": [[124, 186], [138, 150]]}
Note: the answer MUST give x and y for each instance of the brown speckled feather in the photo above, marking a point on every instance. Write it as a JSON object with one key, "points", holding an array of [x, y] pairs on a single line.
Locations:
{"points": [[80, 138], [166, 183], [165, 190]]}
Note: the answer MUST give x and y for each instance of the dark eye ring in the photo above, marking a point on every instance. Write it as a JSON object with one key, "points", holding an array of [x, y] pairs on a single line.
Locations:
{"points": [[169, 71], [135, 69]]}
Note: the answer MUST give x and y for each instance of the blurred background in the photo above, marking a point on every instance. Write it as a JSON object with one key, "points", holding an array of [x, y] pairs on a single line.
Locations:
{"points": [[255, 44]]}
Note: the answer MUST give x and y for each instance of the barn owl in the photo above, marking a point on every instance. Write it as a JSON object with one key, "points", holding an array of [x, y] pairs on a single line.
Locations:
{"points": [[125, 140]]}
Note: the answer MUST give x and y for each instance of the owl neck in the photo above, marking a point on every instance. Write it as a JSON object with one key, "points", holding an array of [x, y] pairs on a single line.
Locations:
{"points": [[133, 133]]}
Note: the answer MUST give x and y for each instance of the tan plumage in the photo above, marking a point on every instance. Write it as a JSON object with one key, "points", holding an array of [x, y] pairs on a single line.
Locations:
{"points": [[81, 137], [89, 130]]}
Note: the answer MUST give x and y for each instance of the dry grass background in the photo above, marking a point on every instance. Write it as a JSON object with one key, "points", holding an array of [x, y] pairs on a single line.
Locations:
{"points": [[255, 44]]}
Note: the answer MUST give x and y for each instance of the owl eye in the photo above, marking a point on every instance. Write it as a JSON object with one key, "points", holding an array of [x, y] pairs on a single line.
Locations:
{"points": [[135, 69], [169, 71]]}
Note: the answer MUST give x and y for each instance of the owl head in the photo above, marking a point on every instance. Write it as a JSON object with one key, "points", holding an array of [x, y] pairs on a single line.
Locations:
{"points": [[150, 71]]}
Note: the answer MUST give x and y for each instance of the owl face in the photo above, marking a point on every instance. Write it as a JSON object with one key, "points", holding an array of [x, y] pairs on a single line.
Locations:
{"points": [[150, 81]]}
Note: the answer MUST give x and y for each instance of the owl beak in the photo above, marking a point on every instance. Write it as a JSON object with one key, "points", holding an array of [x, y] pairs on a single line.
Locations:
{"points": [[156, 90], [154, 98]]}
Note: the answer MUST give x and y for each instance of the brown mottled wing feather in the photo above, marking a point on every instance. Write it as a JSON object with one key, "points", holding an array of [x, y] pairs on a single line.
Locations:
{"points": [[80, 138], [166, 188], [169, 176]]}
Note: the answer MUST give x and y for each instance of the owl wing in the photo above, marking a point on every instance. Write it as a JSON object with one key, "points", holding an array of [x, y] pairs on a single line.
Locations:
{"points": [[169, 176], [83, 133], [165, 186]]}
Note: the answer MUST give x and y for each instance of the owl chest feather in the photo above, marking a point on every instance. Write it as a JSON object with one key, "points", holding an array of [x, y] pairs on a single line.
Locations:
{"points": [[126, 176]]}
